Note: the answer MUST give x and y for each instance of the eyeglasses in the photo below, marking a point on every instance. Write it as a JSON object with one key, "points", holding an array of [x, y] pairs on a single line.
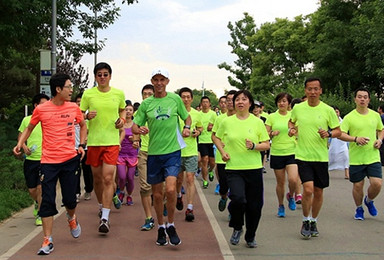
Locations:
{"points": [[70, 87], [99, 75]]}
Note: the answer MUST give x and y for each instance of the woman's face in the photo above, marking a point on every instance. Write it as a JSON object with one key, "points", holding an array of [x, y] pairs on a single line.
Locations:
{"points": [[283, 104], [129, 111], [242, 103]]}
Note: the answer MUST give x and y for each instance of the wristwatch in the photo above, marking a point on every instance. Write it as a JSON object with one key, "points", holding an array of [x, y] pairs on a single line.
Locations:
{"points": [[329, 133], [187, 126], [82, 145]]}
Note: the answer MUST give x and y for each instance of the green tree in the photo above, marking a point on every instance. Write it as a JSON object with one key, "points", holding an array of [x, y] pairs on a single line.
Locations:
{"points": [[197, 94]]}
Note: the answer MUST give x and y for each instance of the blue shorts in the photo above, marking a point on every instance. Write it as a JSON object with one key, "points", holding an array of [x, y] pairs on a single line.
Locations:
{"points": [[66, 173], [357, 173], [159, 167]]}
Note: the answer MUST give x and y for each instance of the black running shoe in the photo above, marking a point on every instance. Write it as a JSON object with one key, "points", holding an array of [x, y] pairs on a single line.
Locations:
{"points": [[314, 231], [173, 237], [161, 237], [306, 229]]}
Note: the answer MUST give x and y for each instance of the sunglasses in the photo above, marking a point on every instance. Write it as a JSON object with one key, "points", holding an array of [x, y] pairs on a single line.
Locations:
{"points": [[101, 75]]}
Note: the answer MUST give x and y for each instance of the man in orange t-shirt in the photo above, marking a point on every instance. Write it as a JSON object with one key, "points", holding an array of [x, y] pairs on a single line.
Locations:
{"points": [[59, 158]]}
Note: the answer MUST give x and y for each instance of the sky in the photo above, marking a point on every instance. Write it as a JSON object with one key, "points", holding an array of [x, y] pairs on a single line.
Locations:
{"points": [[188, 38]]}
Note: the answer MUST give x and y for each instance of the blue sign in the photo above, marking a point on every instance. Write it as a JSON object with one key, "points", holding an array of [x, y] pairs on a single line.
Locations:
{"points": [[46, 73]]}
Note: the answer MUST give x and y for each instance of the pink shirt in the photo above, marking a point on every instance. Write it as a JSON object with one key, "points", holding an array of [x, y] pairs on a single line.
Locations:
{"points": [[57, 124]]}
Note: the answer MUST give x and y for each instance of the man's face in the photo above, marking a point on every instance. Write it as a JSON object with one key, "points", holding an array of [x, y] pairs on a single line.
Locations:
{"points": [[159, 82], [205, 104], [187, 98], [147, 93], [103, 77], [313, 90], [362, 99], [66, 92], [223, 104], [229, 102]]}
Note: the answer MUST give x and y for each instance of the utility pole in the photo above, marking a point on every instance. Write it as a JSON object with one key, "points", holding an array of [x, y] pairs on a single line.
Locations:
{"points": [[53, 36], [202, 86], [95, 58]]}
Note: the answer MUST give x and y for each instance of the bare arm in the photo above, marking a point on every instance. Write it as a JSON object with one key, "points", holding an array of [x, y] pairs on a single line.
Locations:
{"points": [[22, 138]]}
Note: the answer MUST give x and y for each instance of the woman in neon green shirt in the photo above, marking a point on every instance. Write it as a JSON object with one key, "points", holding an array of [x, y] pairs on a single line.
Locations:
{"points": [[283, 153], [245, 136]]}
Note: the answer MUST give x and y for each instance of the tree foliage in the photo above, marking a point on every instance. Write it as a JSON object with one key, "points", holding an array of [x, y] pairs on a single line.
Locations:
{"points": [[341, 42]]}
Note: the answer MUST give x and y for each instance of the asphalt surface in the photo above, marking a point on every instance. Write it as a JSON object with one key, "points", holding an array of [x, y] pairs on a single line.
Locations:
{"points": [[341, 237]]}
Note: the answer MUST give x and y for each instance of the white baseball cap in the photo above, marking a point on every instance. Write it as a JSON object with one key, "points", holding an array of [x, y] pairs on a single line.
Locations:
{"points": [[160, 71]]}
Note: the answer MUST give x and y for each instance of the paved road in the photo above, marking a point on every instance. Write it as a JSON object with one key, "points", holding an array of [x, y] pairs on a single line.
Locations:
{"points": [[341, 237]]}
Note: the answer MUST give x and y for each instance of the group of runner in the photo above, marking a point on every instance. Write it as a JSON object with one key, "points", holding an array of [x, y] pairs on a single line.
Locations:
{"points": [[170, 135]]}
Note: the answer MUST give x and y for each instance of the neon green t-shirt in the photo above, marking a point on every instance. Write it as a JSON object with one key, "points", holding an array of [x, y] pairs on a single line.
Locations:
{"points": [[144, 139], [206, 119], [190, 141], [216, 126], [235, 132], [310, 146], [162, 115], [282, 144], [356, 124], [102, 131], [34, 140]]}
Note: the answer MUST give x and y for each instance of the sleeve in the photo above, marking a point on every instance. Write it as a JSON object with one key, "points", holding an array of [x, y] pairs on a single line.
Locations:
{"points": [[293, 115], [23, 124], [213, 118], [84, 103], [379, 123], [345, 124], [198, 120], [35, 119], [333, 120], [79, 116], [122, 100], [181, 110], [269, 120], [263, 134], [221, 130], [216, 124]]}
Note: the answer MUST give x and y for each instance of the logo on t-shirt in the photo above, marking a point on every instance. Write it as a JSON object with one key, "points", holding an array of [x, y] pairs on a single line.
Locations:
{"points": [[162, 113]]}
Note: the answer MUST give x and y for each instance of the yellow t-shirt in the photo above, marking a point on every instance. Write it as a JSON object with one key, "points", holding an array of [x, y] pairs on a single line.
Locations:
{"points": [[216, 126], [34, 140], [310, 146], [206, 119], [282, 144], [102, 131], [235, 132], [360, 125], [191, 143]]}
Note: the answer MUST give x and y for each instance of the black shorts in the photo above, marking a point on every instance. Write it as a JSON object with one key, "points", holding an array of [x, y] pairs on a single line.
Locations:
{"points": [[357, 173], [314, 171], [281, 161], [206, 150], [32, 173]]}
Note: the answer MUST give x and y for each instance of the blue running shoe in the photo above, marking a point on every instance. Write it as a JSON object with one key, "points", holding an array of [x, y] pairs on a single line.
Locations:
{"points": [[217, 190], [281, 212], [359, 215], [371, 208], [116, 202], [291, 202], [222, 204]]}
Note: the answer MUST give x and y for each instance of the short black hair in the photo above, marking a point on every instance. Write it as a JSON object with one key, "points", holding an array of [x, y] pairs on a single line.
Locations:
{"points": [[136, 106], [148, 86], [80, 95], [185, 89], [382, 107], [312, 79], [283, 95], [248, 95], [225, 97], [295, 101], [58, 80], [205, 97], [363, 89], [231, 92], [37, 98], [100, 66]]}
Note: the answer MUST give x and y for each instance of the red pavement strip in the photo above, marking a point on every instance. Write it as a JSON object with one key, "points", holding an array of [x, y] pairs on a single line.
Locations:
{"points": [[125, 240]]}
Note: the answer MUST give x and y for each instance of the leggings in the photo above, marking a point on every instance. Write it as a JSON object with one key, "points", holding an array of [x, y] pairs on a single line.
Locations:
{"points": [[126, 177]]}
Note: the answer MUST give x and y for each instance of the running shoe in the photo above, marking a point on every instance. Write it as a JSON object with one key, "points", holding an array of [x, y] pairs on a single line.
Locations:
{"points": [[104, 226], [74, 227], [252, 244], [189, 215], [121, 196], [87, 196], [217, 190], [161, 237], [298, 198], [281, 211], [179, 204], [198, 172], [182, 190], [165, 211], [46, 247], [205, 184], [116, 202], [222, 204], [129, 200], [306, 229], [35, 209], [211, 176], [78, 197], [314, 232], [236, 235], [371, 208], [38, 221], [148, 225], [359, 215], [291, 202], [173, 237]]}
